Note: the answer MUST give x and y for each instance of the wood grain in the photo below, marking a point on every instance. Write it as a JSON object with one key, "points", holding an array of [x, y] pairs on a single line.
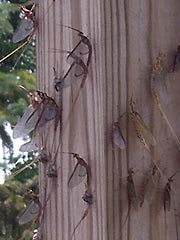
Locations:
{"points": [[126, 37]]}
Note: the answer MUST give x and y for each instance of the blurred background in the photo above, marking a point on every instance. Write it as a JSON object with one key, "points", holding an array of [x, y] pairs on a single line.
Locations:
{"points": [[18, 69]]}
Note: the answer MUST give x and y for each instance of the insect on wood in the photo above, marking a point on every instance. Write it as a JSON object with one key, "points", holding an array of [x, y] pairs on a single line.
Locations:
{"points": [[88, 198], [131, 196], [81, 170], [131, 192], [118, 136], [52, 171], [83, 47], [146, 184], [33, 210], [77, 70], [143, 132], [82, 218]]}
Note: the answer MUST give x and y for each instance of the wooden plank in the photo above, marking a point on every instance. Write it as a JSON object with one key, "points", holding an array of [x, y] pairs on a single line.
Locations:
{"points": [[126, 37]]}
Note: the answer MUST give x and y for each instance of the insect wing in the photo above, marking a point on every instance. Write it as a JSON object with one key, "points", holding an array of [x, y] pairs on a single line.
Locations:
{"points": [[34, 117], [21, 129], [144, 130], [81, 50], [48, 112], [30, 146], [30, 213], [24, 29], [74, 73], [77, 176], [118, 137], [148, 186]]}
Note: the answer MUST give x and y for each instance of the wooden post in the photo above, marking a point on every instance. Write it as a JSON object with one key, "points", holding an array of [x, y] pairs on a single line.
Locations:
{"points": [[126, 37]]}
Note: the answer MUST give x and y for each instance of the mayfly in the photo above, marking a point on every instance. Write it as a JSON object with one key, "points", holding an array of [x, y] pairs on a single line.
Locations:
{"points": [[33, 210], [83, 48], [46, 111], [37, 115], [26, 29], [131, 195], [146, 184], [131, 192], [117, 136], [20, 130], [26, 26], [88, 198], [80, 171], [77, 70], [142, 130]]}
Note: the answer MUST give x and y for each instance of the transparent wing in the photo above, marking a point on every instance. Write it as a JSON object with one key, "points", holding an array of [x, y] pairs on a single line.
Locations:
{"points": [[31, 212], [144, 130], [24, 29], [149, 185], [81, 50], [77, 175], [30, 146], [49, 112], [21, 129], [118, 137], [74, 73], [34, 117]]}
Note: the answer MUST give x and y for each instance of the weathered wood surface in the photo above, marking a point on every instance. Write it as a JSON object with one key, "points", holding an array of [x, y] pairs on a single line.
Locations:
{"points": [[126, 37]]}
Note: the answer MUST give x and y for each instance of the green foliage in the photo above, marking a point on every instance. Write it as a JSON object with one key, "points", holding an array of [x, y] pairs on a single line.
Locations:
{"points": [[13, 100], [28, 173], [6, 139], [13, 200], [10, 18]]}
